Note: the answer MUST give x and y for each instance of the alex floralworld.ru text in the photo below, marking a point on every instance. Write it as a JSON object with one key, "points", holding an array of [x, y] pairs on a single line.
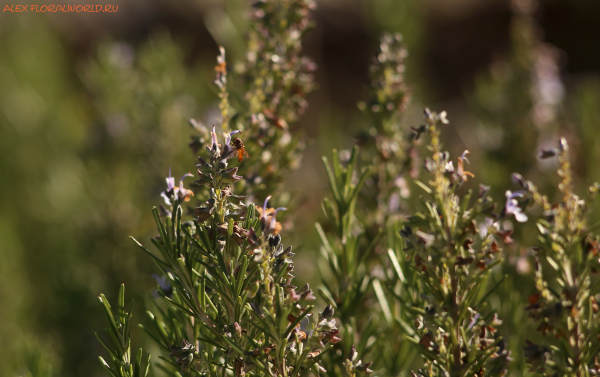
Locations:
{"points": [[60, 8]]}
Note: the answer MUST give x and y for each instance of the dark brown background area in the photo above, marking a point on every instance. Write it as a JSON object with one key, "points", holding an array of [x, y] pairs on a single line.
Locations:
{"points": [[461, 38]]}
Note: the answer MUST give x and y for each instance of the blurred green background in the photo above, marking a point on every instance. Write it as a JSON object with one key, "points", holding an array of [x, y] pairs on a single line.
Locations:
{"points": [[94, 110]]}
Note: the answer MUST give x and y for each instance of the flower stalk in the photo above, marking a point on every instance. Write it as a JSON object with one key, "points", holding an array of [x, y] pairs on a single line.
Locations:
{"points": [[450, 261], [564, 303]]}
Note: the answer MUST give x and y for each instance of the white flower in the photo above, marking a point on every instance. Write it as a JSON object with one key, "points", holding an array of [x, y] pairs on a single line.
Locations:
{"points": [[512, 206]]}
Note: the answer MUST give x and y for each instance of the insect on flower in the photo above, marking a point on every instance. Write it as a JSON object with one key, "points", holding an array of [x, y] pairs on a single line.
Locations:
{"points": [[221, 67], [240, 149]]}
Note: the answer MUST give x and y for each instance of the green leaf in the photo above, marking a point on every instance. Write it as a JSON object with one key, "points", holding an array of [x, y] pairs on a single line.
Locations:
{"points": [[249, 277], [106, 366], [423, 186], [232, 344], [164, 252], [211, 342], [396, 265], [330, 211], [492, 289], [110, 351], [281, 272], [158, 261], [158, 341], [405, 326], [178, 306], [138, 364], [177, 229], [127, 320], [385, 308], [161, 228], [316, 359], [147, 365], [323, 238], [196, 244], [350, 170], [326, 296], [202, 293], [108, 312], [298, 320], [361, 181], [332, 181], [122, 303]]}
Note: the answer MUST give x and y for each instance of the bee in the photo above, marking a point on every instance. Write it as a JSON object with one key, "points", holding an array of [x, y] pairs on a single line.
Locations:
{"points": [[221, 67], [240, 149]]}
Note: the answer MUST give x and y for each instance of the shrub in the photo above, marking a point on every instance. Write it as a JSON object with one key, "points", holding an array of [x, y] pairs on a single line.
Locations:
{"points": [[401, 275]]}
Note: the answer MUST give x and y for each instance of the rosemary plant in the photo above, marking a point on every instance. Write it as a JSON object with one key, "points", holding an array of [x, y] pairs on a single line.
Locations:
{"points": [[567, 288], [227, 304], [226, 294], [356, 249], [449, 262], [274, 80], [398, 284], [515, 109], [346, 281], [120, 352], [384, 146]]}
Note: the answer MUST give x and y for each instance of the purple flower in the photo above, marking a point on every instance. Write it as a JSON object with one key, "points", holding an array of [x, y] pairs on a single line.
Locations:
{"points": [[225, 151], [164, 284], [512, 205], [264, 211], [170, 181], [272, 224], [181, 192], [474, 321], [268, 217], [215, 143], [228, 138]]}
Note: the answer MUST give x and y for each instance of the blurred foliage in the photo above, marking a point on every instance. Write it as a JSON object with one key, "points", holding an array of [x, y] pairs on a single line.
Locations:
{"points": [[503, 102], [87, 168], [43, 272], [567, 287], [521, 107]]}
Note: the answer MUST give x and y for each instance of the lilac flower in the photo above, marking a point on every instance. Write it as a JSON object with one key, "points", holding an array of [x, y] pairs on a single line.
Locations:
{"points": [[512, 205], [264, 208], [272, 224], [228, 151], [474, 321], [164, 284], [222, 152], [306, 293], [215, 142], [268, 217], [182, 193], [228, 138]]}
